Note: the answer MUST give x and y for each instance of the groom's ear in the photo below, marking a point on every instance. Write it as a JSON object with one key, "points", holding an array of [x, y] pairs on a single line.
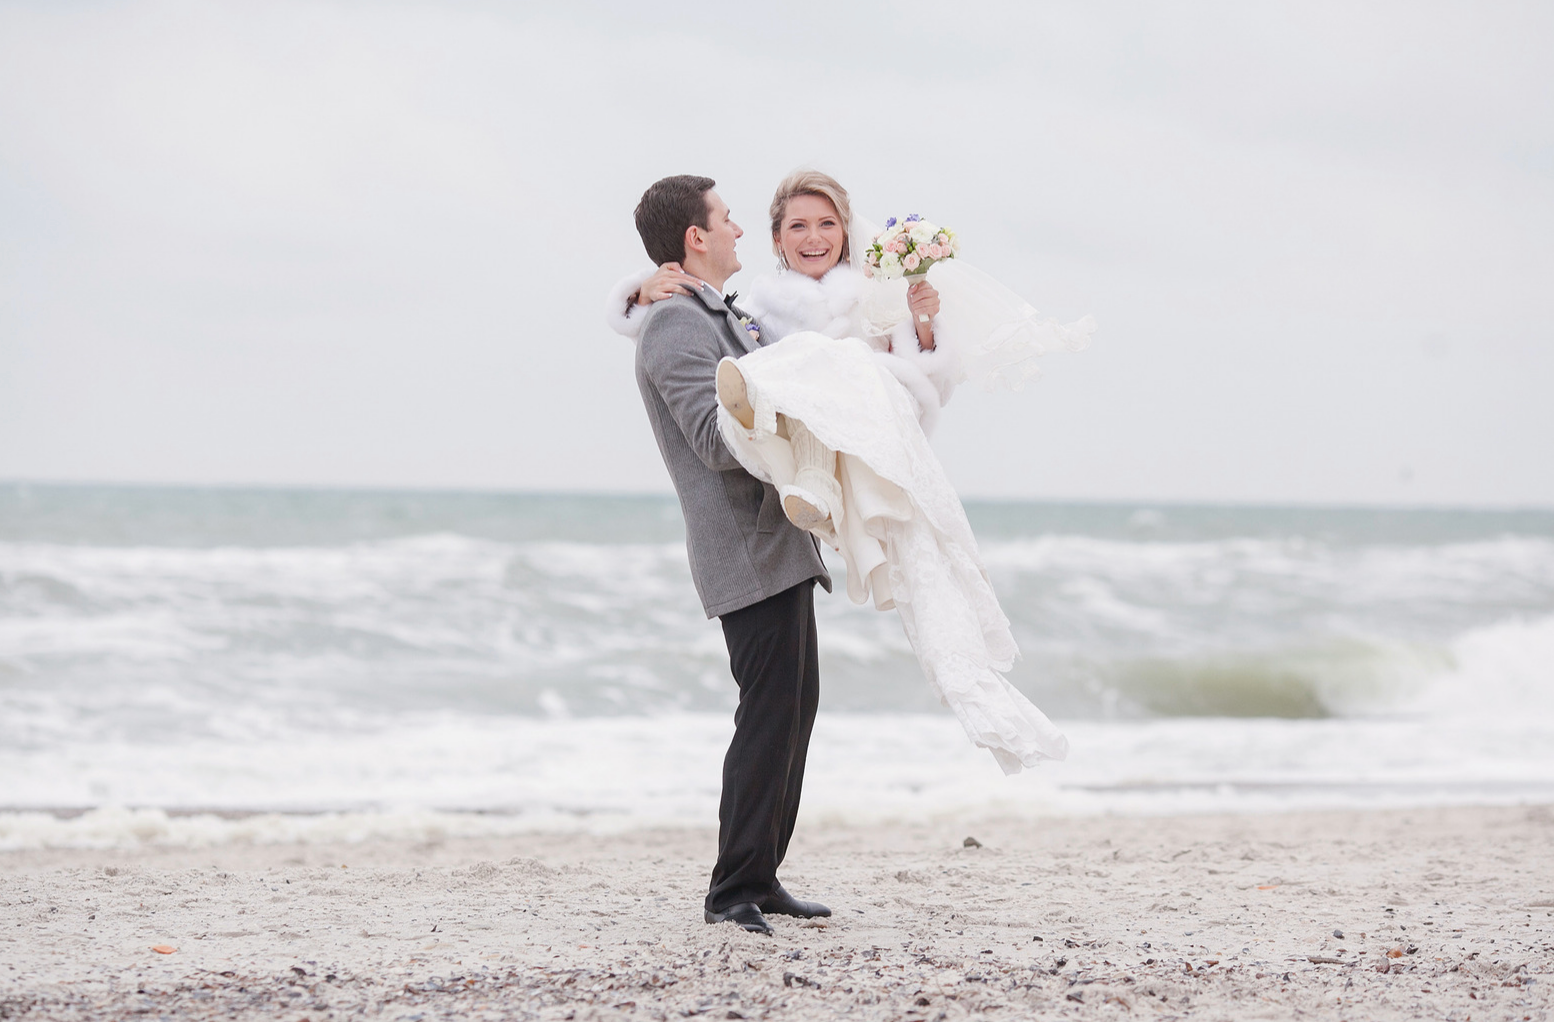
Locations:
{"points": [[695, 239]]}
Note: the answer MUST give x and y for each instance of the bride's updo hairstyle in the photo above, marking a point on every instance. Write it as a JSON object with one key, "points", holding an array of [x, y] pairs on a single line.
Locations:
{"points": [[811, 182]]}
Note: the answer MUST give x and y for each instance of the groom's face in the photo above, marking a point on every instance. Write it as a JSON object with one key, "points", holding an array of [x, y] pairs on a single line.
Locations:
{"points": [[722, 234]]}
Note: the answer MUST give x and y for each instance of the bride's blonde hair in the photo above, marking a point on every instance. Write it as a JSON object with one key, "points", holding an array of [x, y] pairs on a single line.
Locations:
{"points": [[812, 182]]}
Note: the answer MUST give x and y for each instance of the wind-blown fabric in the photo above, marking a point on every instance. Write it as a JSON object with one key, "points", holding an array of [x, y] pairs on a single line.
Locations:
{"points": [[901, 528], [986, 333]]}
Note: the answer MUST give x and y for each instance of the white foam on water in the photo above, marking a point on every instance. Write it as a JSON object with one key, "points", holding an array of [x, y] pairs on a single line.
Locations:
{"points": [[1504, 670], [441, 684], [461, 777], [117, 827]]}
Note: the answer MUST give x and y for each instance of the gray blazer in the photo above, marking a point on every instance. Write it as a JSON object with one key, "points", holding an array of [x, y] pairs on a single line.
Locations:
{"points": [[742, 547]]}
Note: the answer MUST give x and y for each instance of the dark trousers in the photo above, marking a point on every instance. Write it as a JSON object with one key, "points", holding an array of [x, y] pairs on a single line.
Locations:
{"points": [[775, 660]]}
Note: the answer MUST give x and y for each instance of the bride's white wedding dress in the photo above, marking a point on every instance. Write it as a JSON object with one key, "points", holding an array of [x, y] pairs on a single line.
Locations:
{"points": [[849, 369]]}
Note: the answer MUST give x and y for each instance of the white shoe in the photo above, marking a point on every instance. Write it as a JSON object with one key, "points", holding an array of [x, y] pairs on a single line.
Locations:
{"points": [[804, 509], [734, 393]]}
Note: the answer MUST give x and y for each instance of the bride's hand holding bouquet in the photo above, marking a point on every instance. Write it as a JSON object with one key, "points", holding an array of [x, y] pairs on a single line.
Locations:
{"points": [[906, 249]]}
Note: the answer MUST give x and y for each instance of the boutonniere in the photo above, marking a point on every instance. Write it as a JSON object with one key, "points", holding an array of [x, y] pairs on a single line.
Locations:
{"points": [[748, 322]]}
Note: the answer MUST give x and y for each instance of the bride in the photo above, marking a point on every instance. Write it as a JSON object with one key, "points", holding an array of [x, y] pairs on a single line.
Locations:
{"points": [[836, 412]]}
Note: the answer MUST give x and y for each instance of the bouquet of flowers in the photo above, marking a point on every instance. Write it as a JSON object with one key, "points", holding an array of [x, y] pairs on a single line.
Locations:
{"points": [[908, 248]]}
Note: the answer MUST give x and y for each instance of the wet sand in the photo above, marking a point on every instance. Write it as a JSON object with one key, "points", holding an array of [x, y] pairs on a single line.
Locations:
{"points": [[1437, 914]]}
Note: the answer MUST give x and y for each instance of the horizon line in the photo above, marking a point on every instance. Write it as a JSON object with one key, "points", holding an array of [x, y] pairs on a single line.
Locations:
{"points": [[668, 494]]}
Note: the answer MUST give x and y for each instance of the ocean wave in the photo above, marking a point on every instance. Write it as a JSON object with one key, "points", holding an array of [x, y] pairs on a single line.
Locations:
{"points": [[459, 777], [118, 827], [315, 666], [1338, 679], [1501, 670], [97, 639]]}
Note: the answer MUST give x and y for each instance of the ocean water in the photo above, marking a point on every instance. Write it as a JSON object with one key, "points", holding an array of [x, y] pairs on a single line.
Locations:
{"points": [[188, 666]]}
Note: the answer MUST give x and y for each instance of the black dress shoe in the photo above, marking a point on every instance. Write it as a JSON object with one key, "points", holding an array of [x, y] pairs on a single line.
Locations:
{"points": [[747, 914], [781, 903]]}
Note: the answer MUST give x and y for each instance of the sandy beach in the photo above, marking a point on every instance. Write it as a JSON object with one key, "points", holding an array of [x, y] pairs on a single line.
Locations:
{"points": [[1438, 914]]}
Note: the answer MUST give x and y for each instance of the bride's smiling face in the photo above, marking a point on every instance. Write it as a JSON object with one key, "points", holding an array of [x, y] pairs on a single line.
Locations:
{"points": [[811, 236]]}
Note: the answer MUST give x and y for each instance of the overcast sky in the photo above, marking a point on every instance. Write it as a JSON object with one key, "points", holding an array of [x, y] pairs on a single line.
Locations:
{"points": [[367, 243]]}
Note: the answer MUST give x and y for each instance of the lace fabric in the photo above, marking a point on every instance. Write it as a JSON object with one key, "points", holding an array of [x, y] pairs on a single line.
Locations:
{"points": [[902, 530]]}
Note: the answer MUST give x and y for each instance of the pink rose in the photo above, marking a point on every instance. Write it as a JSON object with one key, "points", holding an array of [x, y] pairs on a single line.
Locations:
{"points": [[899, 246], [934, 251], [911, 261]]}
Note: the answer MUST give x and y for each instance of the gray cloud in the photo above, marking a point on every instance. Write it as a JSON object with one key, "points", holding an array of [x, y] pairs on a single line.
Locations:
{"points": [[366, 243]]}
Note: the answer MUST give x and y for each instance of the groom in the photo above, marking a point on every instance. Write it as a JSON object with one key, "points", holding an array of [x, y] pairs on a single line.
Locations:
{"points": [[753, 569]]}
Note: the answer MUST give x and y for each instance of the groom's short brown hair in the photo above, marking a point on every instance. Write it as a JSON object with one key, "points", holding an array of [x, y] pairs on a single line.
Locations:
{"points": [[669, 208]]}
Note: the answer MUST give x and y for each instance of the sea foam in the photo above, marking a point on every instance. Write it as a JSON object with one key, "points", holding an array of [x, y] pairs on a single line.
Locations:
{"points": [[545, 659]]}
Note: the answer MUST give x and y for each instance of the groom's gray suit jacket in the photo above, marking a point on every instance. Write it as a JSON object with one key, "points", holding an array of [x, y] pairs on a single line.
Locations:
{"points": [[742, 547]]}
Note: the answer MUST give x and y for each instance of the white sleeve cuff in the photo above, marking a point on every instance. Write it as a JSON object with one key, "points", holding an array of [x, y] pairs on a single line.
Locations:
{"points": [[939, 364], [627, 321]]}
